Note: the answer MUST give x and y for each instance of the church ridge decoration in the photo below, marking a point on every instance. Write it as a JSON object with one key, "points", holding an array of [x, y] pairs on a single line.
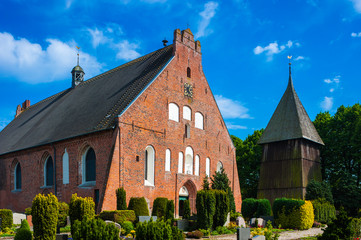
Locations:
{"points": [[77, 72]]}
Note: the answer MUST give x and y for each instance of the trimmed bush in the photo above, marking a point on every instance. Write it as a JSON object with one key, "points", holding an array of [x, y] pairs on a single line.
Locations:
{"points": [[291, 213], [206, 207], [127, 226], [195, 234], [81, 207], [170, 210], [63, 214], [323, 210], [24, 234], [254, 208], [94, 229], [160, 207], [45, 210], [121, 199], [7, 218], [187, 210], [139, 206], [158, 230], [24, 224], [118, 216], [222, 208]]}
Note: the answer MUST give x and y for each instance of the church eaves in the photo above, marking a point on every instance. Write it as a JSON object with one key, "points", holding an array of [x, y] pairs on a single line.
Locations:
{"points": [[290, 120]]}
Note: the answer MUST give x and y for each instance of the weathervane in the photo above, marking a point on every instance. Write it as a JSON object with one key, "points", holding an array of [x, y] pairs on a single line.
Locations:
{"points": [[78, 54], [289, 63]]}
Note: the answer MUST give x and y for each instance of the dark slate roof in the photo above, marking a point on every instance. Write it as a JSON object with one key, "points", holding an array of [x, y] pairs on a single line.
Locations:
{"points": [[290, 120], [90, 107]]}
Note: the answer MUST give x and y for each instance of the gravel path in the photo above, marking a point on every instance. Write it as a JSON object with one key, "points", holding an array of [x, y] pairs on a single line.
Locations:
{"points": [[299, 234]]}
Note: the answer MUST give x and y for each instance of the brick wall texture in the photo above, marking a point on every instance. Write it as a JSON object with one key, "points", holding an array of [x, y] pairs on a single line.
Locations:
{"points": [[120, 152]]}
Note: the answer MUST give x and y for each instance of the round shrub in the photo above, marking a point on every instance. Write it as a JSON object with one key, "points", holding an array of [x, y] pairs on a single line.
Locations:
{"points": [[24, 224], [23, 234], [249, 207], [94, 229], [7, 218], [121, 199], [81, 207], [139, 206], [160, 207], [44, 212], [263, 208], [127, 226]]}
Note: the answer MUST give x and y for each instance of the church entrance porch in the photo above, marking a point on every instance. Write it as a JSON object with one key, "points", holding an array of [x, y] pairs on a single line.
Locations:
{"points": [[187, 192]]}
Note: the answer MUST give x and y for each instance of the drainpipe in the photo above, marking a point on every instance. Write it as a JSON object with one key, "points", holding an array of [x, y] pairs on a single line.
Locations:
{"points": [[55, 188]]}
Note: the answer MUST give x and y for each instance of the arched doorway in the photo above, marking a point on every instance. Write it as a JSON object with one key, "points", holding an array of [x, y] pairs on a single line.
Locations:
{"points": [[187, 192]]}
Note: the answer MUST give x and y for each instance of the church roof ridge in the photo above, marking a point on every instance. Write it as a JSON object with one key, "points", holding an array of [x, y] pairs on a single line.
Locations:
{"points": [[290, 120], [92, 106]]}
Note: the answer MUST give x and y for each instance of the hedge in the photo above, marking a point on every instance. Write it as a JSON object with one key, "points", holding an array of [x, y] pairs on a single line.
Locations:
{"points": [[158, 230], [7, 218], [187, 210], [118, 216], [222, 208], [323, 210], [81, 207], [44, 211], [293, 213], [255, 208], [63, 214], [121, 199], [94, 229], [170, 210], [139, 206], [160, 207], [23, 234], [206, 207]]}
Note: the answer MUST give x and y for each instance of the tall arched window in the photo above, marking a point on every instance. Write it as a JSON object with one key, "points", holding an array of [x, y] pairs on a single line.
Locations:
{"points": [[167, 160], [187, 113], [17, 177], [188, 72], [189, 161], [187, 131], [196, 166], [219, 166], [149, 166], [180, 162], [199, 120], [49, 172], [208, 167], [65, 167], [173, 112], [89, 166]]}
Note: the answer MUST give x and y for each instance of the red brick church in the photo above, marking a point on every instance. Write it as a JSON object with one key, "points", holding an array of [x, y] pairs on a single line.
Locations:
{"points": [[151, 126]]}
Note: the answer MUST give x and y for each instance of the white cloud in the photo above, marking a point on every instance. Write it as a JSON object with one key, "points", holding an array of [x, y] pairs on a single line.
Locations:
{"points": [[126, 50], [230, 108], [357, 5], [356, 34], [206, 15], [235, 126], [327, 103], [273, 48], [3, 123], [29, 62], [332, 90], [299, 58], [97, 37], [335, 80], [68, 3]]}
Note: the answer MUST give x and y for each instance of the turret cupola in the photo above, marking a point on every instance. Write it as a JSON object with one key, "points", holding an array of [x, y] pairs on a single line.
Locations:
{"points": [[77, 73]]}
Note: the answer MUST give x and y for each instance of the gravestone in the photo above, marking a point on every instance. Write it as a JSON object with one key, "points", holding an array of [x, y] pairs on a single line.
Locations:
{"points": [[243, 233], [228, 220], [259, 237], [183, 224], [117, 225], [261, 222], [147, 218], [240, 222]]}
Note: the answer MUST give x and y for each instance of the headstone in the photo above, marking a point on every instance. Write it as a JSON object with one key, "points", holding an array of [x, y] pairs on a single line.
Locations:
{"points": [[243, 233], [259, 237], [228, 220], [18, 217], [147, 218], [260, 221], [240, 222], [268, 218], [183, 224], [117, 225]]}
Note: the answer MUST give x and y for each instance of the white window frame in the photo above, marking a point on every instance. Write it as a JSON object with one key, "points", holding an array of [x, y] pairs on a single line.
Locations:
{"points": [[150, 166], [196, 165], [167, 160], [187, 113], [180, 162], [173, 112], [208, 167], [188, 166], [199, 120]]}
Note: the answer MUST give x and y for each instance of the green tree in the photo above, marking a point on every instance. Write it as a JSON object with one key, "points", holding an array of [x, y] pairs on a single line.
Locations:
{"points": [[316, 190], [121, 199], [220, 181], [187, 210], [249, 156]]}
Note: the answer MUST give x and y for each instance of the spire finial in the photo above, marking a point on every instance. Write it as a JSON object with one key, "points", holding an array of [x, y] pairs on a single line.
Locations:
{"points": [[78, 55], [289, 63]]}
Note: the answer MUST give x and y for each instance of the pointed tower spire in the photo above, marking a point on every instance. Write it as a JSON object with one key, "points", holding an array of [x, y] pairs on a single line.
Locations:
{"points": [[77, 73]]}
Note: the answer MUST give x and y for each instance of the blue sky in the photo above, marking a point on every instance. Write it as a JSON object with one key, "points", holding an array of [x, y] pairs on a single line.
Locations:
{"points": [[245, 45]]}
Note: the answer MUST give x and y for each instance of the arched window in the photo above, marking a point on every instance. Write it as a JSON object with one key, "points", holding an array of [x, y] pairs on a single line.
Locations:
{"points": [[89, 166], [196, 166], [180, 162], [219, 166], [65, 167], [17, 177], [173, 112], [49, 172], [189, 161], [188, 72], [187, 113], [149, 166], [208, 167], [167, 160], [199, 120], [187, 131]]}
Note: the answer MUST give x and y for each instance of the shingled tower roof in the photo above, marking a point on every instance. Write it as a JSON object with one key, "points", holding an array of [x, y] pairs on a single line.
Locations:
{"points": [[290, 120]]}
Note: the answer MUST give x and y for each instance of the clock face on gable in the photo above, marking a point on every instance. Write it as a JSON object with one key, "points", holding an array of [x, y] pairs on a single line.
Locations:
{"points": [[188, 90]]}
